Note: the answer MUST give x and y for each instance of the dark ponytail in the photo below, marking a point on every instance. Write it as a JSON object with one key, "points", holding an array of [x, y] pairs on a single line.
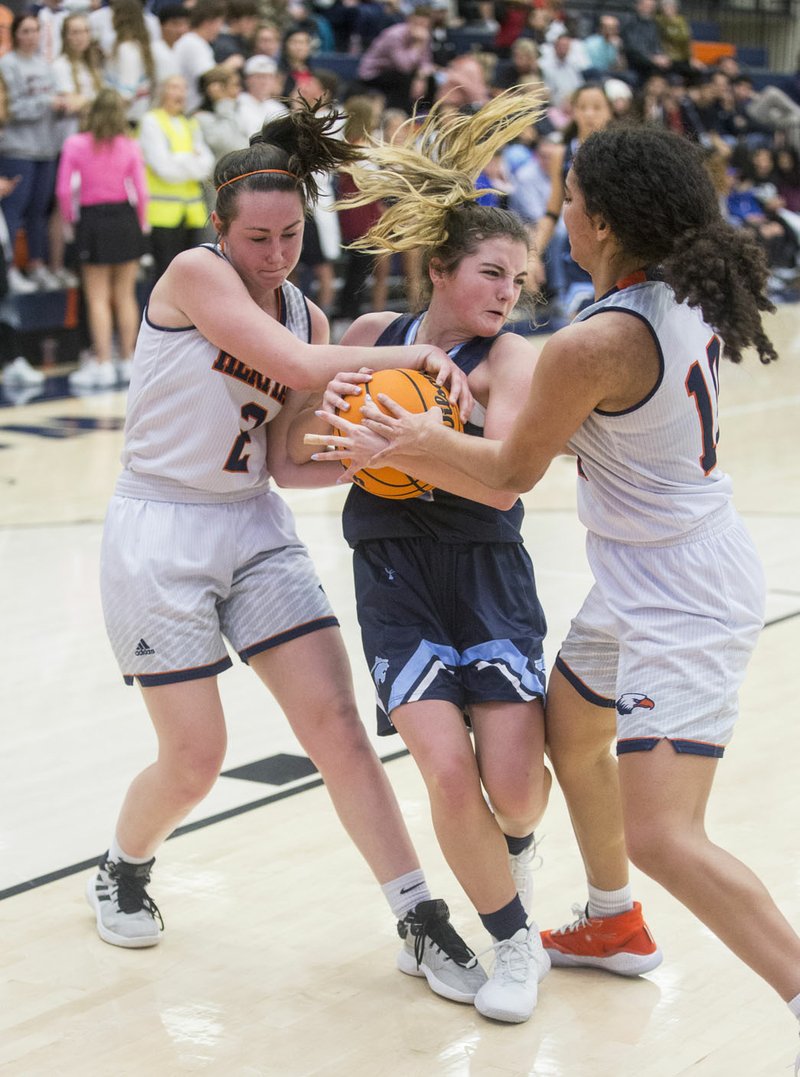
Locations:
{"points": [[296, 145]]}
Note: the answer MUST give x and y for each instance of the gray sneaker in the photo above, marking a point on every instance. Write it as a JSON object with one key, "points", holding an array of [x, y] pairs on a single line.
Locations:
{"points": [[433, 948], [126, 914]]}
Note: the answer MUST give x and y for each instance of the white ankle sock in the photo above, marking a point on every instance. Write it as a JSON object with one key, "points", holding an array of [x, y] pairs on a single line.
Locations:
{"points": [[794, 1006], [406, 891], [605, 903], [115, 852]]}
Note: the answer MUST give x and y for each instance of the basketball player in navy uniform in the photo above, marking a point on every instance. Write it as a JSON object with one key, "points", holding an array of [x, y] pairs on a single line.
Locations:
{"points": [[450, 620], [656, 654], [198, 548]]}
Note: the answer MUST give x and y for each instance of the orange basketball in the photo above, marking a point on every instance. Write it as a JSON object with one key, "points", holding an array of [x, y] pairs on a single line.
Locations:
{"points": [[415, 391]]}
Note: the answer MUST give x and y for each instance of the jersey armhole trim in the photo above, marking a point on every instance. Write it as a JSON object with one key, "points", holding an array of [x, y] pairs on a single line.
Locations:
{"points": [[659, 379]]}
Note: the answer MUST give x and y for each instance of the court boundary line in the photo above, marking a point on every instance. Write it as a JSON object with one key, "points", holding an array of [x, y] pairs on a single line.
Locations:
{"points": [[240, 809], [198, 824]]}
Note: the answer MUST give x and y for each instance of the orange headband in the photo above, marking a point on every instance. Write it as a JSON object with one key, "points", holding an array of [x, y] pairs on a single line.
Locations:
{"points": [[256, 172]]}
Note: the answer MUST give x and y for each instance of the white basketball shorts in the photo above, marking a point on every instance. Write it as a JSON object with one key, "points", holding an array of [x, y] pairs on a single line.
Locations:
{"points": [[176, 578], [665, 635]]}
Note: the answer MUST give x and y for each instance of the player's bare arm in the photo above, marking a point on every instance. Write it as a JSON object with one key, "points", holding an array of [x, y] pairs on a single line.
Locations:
{"points": [[202, 289], [579, 370]]}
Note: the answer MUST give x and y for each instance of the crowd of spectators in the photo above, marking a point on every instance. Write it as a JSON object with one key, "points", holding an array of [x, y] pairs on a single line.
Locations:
{"points": [[196, 79]]}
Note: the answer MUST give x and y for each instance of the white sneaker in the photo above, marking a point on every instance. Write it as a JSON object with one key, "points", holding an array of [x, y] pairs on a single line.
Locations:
{"points": [[520, 964], [126, 914], [93, 375], [124, 368], [434, 949], [67, 279], [21, 373], [522, 872], [19, 284], [44, 280]]}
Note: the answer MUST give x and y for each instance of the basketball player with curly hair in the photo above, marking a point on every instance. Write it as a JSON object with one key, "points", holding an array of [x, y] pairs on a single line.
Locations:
{"points": [[656, 654], [197, 547], [446, 596]]}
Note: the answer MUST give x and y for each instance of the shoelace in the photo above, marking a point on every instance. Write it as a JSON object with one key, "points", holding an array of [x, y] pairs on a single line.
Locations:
{"points": [[131, 894], [445, 938], [582, 919], [530, 858], [512, 958]]}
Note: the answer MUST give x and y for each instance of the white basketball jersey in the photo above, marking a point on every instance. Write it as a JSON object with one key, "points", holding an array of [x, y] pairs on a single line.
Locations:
{"points": [[649, 473], [197, 417]]}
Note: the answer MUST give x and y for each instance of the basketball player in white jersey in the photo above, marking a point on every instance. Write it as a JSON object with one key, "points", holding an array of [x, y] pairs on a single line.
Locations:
{"points": [[657, 652], [198, 548]]}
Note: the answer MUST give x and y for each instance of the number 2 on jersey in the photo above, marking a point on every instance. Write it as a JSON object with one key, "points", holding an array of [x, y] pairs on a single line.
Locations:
{"points": [[237, 458], [697, 386]]}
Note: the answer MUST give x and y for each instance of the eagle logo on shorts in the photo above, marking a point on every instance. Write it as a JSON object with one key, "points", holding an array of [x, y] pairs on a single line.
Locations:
{"points": [[379, 670], [631, 701]]}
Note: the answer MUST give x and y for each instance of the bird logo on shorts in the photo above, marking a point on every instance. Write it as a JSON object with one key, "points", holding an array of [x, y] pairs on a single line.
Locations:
{"points": [[379, 670], [629, 702]]}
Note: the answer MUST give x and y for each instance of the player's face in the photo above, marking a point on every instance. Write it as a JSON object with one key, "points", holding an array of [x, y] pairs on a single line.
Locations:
{"points": [[485, 287], [577, 222], [264, 239]]}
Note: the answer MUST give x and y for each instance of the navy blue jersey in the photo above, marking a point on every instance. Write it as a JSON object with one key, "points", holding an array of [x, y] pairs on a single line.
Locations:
{"points": [[438, 514]]}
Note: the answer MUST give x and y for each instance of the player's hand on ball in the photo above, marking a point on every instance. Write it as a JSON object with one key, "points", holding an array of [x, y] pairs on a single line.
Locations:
{"points": [[343, 385], [404, 431], [354, 443], [453, 377]]}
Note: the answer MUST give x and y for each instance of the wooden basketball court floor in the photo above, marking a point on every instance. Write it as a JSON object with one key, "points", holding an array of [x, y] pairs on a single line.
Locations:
{"points": [[278, 960]]}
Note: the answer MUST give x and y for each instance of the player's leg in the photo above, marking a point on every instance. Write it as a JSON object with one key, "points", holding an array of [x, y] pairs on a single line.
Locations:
{"points": [[580, 739], [190, 728], [474, 847], [664, 796], [509, 746], [434, 732], [609, 932], [311, 680]]}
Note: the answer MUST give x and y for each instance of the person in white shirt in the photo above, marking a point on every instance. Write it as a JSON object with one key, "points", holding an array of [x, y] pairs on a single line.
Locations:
{"points": [[174, 23], [131, 68], [562, 65], [258, 102], [193, 50], [50, 15], [101, 22]]}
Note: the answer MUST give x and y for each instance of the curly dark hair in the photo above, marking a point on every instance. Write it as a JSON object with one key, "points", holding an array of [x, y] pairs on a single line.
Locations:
{"points": [[301, 143], [653, 190]]}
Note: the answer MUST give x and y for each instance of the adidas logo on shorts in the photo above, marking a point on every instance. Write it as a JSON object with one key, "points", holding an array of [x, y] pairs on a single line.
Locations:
{"points": [[142, 648]]}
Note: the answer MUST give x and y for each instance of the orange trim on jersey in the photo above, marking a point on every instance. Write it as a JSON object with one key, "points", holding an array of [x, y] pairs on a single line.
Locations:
{"points": [[637, 277]]}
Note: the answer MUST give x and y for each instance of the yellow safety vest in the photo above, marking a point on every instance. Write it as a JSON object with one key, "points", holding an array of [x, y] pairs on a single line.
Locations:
{"points": [[173, 204]]}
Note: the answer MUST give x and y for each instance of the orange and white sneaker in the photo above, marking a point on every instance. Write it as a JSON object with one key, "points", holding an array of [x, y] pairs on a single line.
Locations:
{"points": [[621, 944]]}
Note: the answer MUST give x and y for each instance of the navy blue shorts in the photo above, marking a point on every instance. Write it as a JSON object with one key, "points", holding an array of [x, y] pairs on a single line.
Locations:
{"points": [[459, 622]]}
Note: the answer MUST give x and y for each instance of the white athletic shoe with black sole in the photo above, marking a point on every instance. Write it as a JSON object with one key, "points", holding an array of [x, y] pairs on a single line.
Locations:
{"points": [[126, 914], [433, 948]]}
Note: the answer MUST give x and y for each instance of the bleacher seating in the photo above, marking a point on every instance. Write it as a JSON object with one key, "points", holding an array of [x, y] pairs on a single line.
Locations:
{"points": [[705, 31], [471, 39], [752, 56], [341, 63]]}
